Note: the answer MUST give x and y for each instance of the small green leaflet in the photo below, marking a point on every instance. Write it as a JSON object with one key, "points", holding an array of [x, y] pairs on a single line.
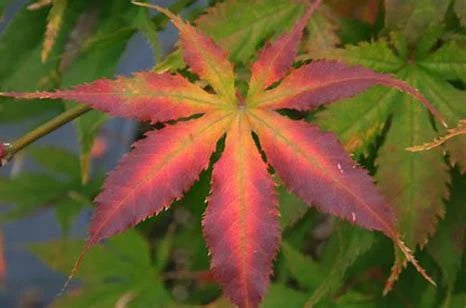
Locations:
{"points": [[323, 279], [60, 187], [119, 271]]}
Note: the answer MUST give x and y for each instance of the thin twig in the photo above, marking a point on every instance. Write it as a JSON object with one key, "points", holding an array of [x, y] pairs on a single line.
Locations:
{"points": [[10, 149]]}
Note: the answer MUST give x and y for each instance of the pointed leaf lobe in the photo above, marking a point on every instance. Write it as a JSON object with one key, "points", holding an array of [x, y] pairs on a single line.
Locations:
{"points": [[241, 224]]}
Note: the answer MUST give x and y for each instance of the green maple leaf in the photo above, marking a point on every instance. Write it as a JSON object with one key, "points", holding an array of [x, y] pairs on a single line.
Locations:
{"points": [[414, 184], [448, 245], [413, 16]]}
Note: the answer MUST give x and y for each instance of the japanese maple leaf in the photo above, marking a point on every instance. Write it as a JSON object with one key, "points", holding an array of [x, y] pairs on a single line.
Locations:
{"points": [[240, 225], [415, 184]]}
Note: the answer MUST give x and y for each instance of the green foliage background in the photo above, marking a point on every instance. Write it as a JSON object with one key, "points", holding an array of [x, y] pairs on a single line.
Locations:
{"points": [[323, 262]]}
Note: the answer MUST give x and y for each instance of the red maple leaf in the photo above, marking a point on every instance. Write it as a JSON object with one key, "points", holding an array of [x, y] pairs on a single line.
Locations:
{"points": [[241, 221]]}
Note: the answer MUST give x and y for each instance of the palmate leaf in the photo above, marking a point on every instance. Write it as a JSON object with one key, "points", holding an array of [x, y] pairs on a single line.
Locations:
{"points": [[448, 62], [414, 183], [241, 223]]}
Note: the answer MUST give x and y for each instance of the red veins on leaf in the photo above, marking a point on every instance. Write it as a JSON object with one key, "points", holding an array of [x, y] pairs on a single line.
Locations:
{"points": [[160, 169], [309, 161], [276, 58], [241, 221]]}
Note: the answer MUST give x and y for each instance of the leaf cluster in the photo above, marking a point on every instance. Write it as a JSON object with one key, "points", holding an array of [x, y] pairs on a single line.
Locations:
{"points": [[235, 108]]}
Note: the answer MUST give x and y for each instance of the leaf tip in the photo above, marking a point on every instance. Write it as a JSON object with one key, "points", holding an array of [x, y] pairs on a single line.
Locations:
{"points": [[54, 22], [395, 273], [38, 5], [154, 7], [411, 259], [174, 18], [460, 129], [74, 270]]}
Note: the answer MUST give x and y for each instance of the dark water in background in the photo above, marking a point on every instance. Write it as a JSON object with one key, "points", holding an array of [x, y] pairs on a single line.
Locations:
{"points": [[27, 277]]}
